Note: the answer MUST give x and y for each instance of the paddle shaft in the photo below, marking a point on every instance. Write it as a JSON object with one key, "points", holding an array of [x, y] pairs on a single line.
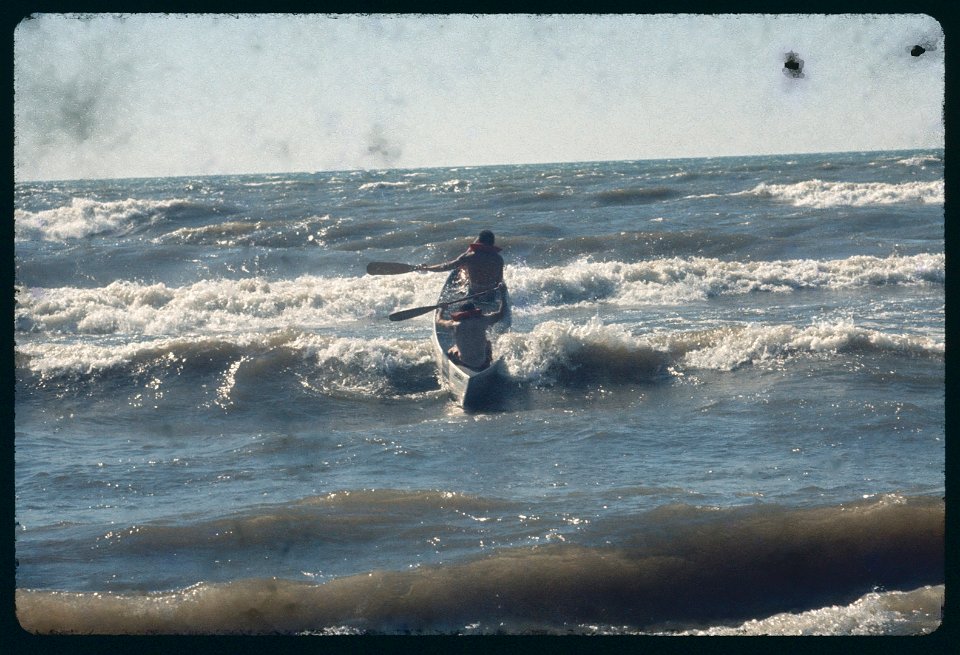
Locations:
{"points": [[420, 311]]}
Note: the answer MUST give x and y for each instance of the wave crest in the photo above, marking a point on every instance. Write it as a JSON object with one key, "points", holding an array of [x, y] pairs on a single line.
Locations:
{"points": [[729, 348], [678, 280], [85, 217], [817, 193], [561, 352], [726, 566]]}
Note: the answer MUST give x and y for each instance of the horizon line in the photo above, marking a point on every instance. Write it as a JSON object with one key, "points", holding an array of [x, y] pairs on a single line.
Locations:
{"points": [[470, 166]]}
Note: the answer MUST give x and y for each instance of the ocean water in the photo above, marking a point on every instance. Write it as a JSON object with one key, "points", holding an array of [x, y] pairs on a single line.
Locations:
{"points": [[723, 410]]}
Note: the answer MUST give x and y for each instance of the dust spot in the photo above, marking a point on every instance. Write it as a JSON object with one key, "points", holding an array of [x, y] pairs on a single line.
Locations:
{"points": [[381, 148], [793, 66]]}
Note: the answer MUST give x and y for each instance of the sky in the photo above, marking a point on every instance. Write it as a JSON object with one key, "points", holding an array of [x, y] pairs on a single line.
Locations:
{"points": [[114, 96]]}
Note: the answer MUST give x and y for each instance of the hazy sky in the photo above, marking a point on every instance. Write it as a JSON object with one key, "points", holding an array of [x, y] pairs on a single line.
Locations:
{"points": [[152, 95]]}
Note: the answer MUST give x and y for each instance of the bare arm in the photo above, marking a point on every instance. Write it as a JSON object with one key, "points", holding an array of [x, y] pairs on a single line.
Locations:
{"points": [[438, 268], [497, 315]]}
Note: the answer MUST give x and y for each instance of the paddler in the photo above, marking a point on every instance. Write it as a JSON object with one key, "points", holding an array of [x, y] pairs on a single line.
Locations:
{"points": [[481, 262], [472, 348]]}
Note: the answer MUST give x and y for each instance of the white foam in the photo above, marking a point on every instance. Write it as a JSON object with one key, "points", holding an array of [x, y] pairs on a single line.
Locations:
{"points": [[921, 160], [125, 321], [373, 186], [454, 185], [352, 365], [817, 193], [680, 280], [728, 348], [84, 217], [270, 183], [558, 346], [549, 350], [308, 302], [251, 304], [914, 612], [552, 345], [360, 365]]}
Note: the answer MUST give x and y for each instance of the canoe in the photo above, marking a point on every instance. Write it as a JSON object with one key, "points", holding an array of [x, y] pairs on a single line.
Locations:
{"points": [[471, 388]]}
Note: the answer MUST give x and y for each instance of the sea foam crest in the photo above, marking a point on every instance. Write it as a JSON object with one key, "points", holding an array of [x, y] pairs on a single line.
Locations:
{"points": [[344, 365], [452, 186], [380, 185], [52, 359], [553, 352], [249, 304], [820, 194], [729, 348], [560, 352], [379, 367], [921, 160], [876, 613], [256, 304], [677, 280], [85, 217]]}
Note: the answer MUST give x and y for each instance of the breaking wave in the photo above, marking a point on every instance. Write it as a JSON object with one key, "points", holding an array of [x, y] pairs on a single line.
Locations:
{"points": [[921, 160], [677, 280], [380, 185], [237, 328], [723, 568], [563, 352], [553, 353], [126, 307], [85, 217], [817, 193], [729, 348]]}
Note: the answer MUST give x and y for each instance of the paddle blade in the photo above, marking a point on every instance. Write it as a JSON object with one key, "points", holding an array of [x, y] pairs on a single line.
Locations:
{"points": [[411, 313], [388, 268]]}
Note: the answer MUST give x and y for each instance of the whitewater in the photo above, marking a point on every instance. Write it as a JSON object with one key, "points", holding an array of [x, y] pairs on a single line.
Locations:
{"points": [[723, 409]]}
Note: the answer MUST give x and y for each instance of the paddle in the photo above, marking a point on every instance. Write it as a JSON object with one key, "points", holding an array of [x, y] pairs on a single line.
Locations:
{"points": [[389, 268], [404, 314]]}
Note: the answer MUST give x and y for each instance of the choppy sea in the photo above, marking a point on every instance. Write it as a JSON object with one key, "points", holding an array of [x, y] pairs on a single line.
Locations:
{"points": [[723, 414]]}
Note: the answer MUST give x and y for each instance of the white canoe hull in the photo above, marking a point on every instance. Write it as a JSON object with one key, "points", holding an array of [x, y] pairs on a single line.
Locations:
{"points": [[471, 388]]}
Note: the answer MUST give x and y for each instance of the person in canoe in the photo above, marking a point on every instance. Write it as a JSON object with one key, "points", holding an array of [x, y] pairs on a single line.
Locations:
{"points": [[472, 348], [481, 262]]}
